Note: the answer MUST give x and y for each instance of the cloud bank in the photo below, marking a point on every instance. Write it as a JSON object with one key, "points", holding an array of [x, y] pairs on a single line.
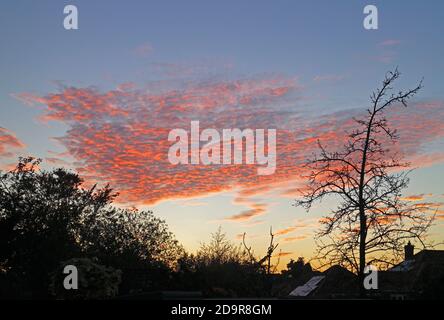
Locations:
{"points": [[120, 136]]}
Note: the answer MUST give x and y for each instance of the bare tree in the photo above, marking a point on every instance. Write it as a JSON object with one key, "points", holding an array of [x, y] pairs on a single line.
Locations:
{"points": [[266, 259], [372, 222]]}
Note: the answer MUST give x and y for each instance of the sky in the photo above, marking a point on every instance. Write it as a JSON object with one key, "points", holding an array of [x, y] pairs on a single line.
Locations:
{"points": [[102, 100]]}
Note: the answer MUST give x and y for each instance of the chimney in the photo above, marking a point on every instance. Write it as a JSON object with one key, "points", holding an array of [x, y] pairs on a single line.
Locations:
{"points": [[408, 251]]}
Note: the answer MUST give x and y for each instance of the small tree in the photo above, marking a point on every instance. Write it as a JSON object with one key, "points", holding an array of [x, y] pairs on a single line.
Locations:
{"points": [[371, 222], [223, 269], [220, 250], [265, 261]]}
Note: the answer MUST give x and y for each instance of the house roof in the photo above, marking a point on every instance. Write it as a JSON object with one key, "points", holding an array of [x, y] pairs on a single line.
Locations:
{"points": [[308, 287], [406, 265], [422, 257], [335, 281], [413, 277]]}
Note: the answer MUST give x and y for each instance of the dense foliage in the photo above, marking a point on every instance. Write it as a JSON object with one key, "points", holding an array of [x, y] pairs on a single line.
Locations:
{"points": [[47, 217]]}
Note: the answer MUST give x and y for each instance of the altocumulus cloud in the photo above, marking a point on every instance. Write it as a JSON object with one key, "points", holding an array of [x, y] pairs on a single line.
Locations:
{"points": [[121, 136], [8, 143]]}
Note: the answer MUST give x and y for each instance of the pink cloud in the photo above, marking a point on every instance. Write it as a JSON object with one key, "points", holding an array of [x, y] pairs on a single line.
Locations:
{"points": [[328, 78], [296, 238], [285, 231], [9, 143], [283, 254], [120, 136], [417, 197], [257, 209], [390, 42]]}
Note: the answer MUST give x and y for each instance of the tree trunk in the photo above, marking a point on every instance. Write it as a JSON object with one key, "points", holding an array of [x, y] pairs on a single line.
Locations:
{"points": [[362, 216], [362, 238]]}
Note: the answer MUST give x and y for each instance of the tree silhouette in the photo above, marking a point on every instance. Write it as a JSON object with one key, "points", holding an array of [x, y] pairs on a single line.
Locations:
{"points": [[222, 269], [297, 268], [47, 217], [265, 261], [40, 216], [372, 222]]}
